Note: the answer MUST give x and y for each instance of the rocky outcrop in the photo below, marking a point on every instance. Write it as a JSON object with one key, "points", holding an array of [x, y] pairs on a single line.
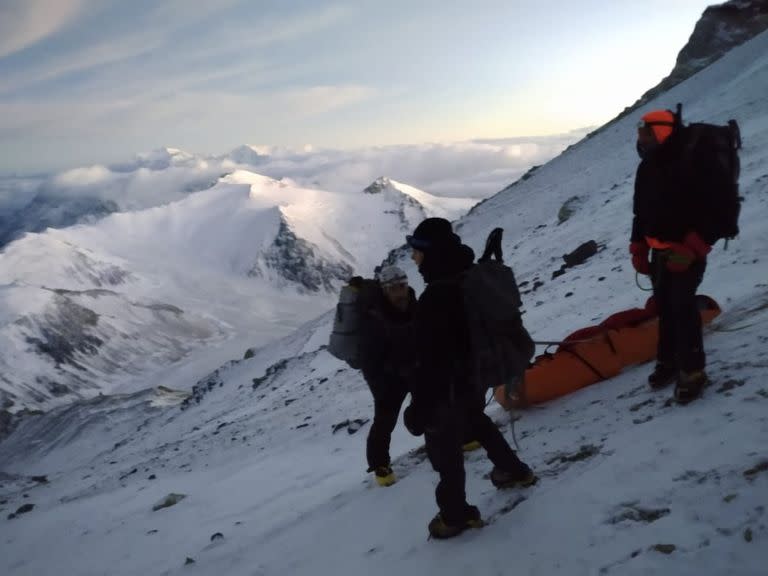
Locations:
{"points": [[299, 262], [721, 28], [6, 424], [72, 350], [66, 334], [408, 210]]}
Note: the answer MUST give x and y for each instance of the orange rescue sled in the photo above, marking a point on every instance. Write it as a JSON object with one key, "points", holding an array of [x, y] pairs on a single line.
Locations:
{"points": [[595, 353]]}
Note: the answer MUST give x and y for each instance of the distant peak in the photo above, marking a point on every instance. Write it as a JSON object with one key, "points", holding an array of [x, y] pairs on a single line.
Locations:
{"points": [[378, 185], [247, 155]]}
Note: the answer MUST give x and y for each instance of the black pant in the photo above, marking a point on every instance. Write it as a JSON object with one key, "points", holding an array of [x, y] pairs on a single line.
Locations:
{"points": [[388, 397], [444, 437], [680, 337]]}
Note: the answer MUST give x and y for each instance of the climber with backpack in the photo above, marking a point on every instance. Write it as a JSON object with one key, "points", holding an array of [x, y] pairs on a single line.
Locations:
{"points": [[447, 396], [388, 363], [686, 198], [373, 332]]}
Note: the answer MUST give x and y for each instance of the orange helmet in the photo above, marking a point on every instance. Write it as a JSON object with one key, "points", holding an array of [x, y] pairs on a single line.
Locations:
{"points": [[660, 123]]}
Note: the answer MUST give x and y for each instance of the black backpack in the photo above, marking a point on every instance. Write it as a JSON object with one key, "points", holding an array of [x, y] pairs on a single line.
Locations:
{"points": [[711, 156], [355, 301], [501, 346]]}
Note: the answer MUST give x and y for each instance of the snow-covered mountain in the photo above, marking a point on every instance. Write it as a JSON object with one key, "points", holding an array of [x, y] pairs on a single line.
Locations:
{"points": [[413, 205], [266, 456], [106, 305], [472, 169]]}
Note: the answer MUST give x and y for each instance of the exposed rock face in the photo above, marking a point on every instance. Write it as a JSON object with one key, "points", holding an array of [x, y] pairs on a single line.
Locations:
{"points": [[67, 333], [6, 424], [299, 262], [70, 349], [408, 211], [720, 28]]}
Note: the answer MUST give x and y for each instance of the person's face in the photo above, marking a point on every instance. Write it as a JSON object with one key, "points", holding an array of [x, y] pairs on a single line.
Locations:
{"points": [[646, 138], [417, 256], [397, 294]]}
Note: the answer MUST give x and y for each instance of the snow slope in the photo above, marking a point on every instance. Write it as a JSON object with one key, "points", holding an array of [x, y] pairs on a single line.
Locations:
{"points": [[274, 478]]}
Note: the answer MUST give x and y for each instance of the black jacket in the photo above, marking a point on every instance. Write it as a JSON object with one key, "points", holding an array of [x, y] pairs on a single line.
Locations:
{"points": [[387, 342], [668, 201], [442, 334]]}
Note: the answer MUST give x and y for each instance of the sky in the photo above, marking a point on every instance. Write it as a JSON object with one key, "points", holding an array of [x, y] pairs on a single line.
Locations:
{"points": [[86, 81]]}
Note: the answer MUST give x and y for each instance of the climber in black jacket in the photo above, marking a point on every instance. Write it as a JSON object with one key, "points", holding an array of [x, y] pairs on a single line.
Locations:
{"points": [[671, 220], [446, 406], [388, 362]]}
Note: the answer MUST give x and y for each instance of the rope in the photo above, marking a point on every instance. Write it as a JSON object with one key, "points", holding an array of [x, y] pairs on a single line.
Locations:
{"points": [[637, 281], [587, 364]]}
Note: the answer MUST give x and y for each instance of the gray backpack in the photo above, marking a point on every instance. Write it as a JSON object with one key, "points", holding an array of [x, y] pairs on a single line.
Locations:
{"points": [[501, 346], [355, 301]]}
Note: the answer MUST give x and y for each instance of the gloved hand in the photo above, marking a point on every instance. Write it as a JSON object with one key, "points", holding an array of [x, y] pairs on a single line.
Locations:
{"points": [[412, 420], [680, 256], [639, 251]]}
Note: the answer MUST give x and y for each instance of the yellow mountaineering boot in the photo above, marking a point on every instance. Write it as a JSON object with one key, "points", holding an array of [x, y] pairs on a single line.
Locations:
{"points": [[384, 476], [439, 528], [470, 446], [522, 477]]}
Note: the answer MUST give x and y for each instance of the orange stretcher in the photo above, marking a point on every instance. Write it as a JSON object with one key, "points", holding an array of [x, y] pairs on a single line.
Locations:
{"points": [[594, 354]]}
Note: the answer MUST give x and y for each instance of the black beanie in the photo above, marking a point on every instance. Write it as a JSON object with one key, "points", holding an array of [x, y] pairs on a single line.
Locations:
{"points": [[433, 233]]}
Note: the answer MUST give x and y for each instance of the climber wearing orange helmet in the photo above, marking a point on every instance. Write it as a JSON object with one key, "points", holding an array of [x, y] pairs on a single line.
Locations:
{"points": [[668, 226]]}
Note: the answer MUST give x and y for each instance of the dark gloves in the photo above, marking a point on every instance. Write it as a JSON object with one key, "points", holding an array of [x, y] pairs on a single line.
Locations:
{"points": [[413, 420], [680, 256], [639, 251]]}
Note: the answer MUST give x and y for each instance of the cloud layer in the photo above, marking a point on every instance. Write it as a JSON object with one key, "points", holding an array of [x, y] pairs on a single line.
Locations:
{"points": [[472, 169], [475, 168]]}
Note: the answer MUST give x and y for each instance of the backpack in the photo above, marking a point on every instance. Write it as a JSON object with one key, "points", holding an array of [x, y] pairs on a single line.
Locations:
{"points": [[711, 155], [357, 297], [500, 345]]}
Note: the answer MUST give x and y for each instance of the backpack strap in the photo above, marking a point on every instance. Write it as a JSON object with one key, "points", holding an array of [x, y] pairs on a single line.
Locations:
{"points": [[493, 246]]}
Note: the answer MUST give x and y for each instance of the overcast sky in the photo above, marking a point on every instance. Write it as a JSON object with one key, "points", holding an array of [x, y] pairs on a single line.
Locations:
{"points": [[86, 81]]}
